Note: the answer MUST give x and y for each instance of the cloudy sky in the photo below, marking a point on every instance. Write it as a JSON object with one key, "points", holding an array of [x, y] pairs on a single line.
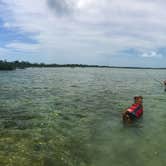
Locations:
{"points": [[103, 32]]}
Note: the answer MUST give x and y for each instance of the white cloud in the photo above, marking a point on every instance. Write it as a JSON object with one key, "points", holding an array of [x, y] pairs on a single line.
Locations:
{"points": [[3, 51], [93, 26], [152, 54], [7, 25], [18, 46]]}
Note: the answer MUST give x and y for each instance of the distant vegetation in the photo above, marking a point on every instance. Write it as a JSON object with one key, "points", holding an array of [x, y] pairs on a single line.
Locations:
{"points": [[4, 65]]}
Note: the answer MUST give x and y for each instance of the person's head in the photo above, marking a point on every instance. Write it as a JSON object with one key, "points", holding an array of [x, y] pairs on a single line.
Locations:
{"points": [[138, 99], [165, 82]]}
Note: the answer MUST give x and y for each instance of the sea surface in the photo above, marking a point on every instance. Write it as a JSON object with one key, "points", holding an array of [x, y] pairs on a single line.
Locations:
{"points": [[72, 117]]}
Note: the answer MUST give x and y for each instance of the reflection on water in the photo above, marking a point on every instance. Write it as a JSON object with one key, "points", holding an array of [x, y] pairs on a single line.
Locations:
{"points": [[72, 117]]}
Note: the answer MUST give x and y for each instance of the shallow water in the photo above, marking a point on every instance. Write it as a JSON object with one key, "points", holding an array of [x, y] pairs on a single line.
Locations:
{"points": [[72, 117]]}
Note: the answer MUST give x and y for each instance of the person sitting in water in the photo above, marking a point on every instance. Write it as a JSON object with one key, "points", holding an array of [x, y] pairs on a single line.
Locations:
{"points": [[165, 85], [135, 111]]}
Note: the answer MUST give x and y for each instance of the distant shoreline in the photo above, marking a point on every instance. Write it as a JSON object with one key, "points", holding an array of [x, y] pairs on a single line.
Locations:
{"points": [[4, 65]]}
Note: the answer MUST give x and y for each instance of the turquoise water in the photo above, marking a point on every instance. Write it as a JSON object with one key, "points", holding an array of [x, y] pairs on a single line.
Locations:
{"points": [[72, 117]]}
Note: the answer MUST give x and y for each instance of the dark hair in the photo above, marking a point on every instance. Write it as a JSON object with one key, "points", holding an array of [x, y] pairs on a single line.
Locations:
{"points": [[136, 97]]}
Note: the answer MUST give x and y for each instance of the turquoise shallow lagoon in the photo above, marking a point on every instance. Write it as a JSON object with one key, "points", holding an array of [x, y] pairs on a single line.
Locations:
{"points": [[72, 117]]}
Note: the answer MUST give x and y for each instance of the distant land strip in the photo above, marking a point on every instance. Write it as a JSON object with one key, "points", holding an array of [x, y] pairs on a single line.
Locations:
{"points": [[4, 65]]}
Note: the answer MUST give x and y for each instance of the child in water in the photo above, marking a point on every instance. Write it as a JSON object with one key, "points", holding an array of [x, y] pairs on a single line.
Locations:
{"points": [[135, 111]]}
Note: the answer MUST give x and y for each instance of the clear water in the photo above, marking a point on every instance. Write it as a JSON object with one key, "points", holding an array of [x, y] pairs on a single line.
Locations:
{"points": [[72, 117]]}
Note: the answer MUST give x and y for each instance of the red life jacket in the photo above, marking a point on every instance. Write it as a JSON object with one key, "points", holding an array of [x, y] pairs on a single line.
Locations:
{"points": [[136, 110]]}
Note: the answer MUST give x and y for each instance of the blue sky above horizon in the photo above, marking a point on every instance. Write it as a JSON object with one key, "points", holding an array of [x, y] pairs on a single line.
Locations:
{"points": [[118, 33]]}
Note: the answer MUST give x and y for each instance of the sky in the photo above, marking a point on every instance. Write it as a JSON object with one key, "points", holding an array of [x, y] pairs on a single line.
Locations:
{"points": [[96, 32]]}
